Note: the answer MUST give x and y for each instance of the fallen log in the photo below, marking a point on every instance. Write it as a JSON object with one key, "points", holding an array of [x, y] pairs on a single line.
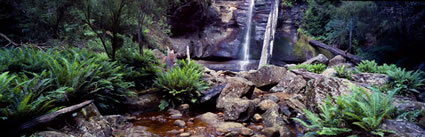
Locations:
{"points": [[52, 116], [353, 58]]}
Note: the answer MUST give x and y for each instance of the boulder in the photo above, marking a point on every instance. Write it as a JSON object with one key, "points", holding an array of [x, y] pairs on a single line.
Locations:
{"points": [[160, 56], [238, 109], [407, 105], [337, 60], [403, 128], [318, 89], [329, 72], [371, 78], [213, 120], [236, 87], [211, 93], [272, 118], [290, 83], [143, 103], [266, 77], [318, 59], [90, 122]]}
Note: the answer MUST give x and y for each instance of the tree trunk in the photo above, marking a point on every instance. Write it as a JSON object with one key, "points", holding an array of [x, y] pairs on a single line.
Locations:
{"points": [[353, 58], [140, 19]]}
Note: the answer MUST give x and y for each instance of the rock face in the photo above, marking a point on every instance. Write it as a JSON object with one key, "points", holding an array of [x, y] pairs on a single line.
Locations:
{"points": [[371, 78], [143, 103], [217, 31], [266, 77], [318, 59]]}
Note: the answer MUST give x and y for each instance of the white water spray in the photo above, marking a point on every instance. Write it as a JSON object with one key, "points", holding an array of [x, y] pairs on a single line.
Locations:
{"points": [[247, 39]]}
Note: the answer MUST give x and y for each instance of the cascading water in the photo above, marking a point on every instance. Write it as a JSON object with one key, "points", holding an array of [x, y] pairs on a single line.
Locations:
{"points": [[247, 39]]}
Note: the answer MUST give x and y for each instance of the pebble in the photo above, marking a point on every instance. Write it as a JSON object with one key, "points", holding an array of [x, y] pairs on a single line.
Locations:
{"points": [[246, 132], [174, 132], [257, 117], [184, 134], [176, 116], [180, 123], [181, 130]]}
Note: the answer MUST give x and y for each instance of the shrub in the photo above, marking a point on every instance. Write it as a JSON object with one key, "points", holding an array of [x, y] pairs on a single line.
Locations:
{"points": [[181, 84], [23, 60], [385, 69], [406, 80], [315, 68], [139, 69], [341, 72], [23, 98], [367, 66], [360, 110]]}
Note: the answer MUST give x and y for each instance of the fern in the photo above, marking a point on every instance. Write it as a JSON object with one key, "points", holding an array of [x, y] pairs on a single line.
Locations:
{"points": [[181, 84], [342, 72], [406, 81], [315, 68], [367, 66]]}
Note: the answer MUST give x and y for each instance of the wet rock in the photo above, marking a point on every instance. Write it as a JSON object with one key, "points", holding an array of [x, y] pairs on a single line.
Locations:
{"points": [[337, 60], [116, 121], [403, 128], [180, 123], [272, 118], [173, 132], [184, 134], [214, 120], [209, 118], [211, 93], [291, 83], [176, 116], [318, 59], [371, 78], [240, 131], [271, 97], [139, 131], [266, 77], [258, 93], [143, 103], [50, 134]]}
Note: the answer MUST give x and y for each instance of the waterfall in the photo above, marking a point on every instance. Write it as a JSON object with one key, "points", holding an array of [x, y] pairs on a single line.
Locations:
{"points": [[247, 39]]}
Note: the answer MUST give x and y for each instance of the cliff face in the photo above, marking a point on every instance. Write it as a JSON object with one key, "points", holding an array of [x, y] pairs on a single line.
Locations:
{"points": [[222, 31]]}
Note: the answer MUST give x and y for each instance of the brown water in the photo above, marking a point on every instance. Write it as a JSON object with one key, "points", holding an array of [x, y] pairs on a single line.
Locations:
{"points": [[160, 123]]}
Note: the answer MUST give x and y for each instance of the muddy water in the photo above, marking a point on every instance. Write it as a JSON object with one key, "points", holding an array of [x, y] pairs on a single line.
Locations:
{"points": [[160, 123]]}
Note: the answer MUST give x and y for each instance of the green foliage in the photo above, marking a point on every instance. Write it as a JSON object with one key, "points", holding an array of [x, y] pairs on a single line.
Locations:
{"points": [[411, 116], [342, 72], [139, 69], [181, 84], [23, 60], [367, 66], [385, 69], [359, 110], [406, 81], [315, 68], [329, 122]]}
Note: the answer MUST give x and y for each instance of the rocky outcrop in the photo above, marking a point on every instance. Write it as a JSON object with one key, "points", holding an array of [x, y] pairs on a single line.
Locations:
{"points": [[219, 30]]}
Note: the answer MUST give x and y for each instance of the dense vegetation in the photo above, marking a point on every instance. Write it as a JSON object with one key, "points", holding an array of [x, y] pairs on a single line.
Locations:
{"points": [[377, 30]]}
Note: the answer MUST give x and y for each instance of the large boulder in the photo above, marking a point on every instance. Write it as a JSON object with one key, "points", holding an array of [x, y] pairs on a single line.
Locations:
{"points": [[266, 77], [236, 87], [337, 60], [238, 109], [91, 123], [371, 78], [403, 128], [143, 103], [233, 128], [322, 59], [290, 83], [318, 89]]}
